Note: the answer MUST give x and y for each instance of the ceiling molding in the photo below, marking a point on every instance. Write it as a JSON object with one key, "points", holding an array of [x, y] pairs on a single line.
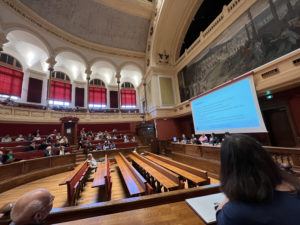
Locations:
{"points": [[30, 16], [140, 8]]}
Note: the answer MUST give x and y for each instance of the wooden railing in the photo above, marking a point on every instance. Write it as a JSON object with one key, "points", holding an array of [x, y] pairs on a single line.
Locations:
{"points": [[208, 157]]}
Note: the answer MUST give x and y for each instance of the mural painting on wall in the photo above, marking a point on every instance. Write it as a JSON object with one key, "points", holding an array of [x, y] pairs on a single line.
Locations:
{"points": [[268, 30]]}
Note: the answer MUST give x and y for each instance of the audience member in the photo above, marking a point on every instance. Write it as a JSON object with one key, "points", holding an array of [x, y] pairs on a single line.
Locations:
{"points": [[126, 139], [29, 137], [112, 146], [257, 191], [106, 145], [43, 146], [183, 139], [213, 140], [8, 157], [37, 137], [20, 138], [7, 138], [203, 139], [1, 158], [58, 136], [133, 139], [56, 144], [89, 147], [37, 132], [30, 147], [49, 152], [99, 146], [114, 130], [114, 137], [226, 134], [92, 163], [32, 207], [193, 139], [61, 151]]}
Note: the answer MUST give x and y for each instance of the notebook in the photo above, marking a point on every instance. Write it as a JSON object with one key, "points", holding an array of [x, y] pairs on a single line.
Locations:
{"points": [[206, 206]]}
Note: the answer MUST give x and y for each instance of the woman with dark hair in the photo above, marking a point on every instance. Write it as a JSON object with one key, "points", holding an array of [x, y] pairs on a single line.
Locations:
{"points": [[257, 191]]}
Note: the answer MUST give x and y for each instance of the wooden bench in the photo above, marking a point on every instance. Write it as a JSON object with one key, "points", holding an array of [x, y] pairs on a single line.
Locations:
{"points": [[193, 175], [136, 184], [102, 180], [75, 181], [156, 175]]}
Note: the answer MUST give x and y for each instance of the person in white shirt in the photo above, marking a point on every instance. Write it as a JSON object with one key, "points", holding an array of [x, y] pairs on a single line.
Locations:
{"points": [[7, 138], [20, 138], [92, 163], [37, 138], [61, 150]]}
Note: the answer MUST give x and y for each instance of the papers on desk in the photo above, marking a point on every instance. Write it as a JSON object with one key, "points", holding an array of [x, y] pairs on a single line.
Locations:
{"points": [[206, 206]]}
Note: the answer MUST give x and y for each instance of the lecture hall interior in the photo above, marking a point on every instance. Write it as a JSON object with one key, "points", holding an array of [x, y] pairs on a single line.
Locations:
{"points": [[97, 101]]}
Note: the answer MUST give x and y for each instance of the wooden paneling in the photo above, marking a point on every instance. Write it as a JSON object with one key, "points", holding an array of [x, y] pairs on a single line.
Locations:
{"points": [[98, 209], [14, 174]]}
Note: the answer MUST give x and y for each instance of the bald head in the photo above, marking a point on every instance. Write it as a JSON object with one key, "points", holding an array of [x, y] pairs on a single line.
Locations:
{"points": [[32, 207]]}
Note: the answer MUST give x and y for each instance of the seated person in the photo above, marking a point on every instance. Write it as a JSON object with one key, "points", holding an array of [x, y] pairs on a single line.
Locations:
{"points": [[97, 137], [32, 207], [8, 157], [226, 134], [99, 146], [114, 137], [106, 145], [37, 137], [56, 144], [1, 158], [49, 152], [49, 139], [213, 140], [66, 141], [29, 137], [108, 136], [92, 163], [133, 139], [89, 147], [257, 190], [203, 139], [43, 146], [61, 151], [193, 139], [37, 132], [58, 137], [183, 139], [20, 138], [114, 130], [126, 140], [7, 138], [119, 136], [30, 147], [112, 146]]}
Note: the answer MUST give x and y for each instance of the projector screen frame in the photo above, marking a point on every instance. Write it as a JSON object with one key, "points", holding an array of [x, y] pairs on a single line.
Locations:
{"points": [[260, 129]]}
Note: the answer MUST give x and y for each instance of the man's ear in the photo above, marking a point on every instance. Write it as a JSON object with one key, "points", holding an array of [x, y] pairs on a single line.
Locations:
{"points": [[38, 217]]}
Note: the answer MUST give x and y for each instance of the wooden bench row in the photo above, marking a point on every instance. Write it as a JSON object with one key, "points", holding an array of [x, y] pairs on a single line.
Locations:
{"points": [[75, 182], [135, 183], [102, 180]]}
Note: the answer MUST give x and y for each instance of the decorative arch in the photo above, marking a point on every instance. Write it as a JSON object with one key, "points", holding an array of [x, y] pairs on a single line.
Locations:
{"points": [[102, 59], [130, 63], [7, 28], [59, 50]]}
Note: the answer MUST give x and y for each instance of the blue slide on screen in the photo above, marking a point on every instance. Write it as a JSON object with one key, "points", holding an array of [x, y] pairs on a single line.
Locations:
{"points": [[233, 108]]}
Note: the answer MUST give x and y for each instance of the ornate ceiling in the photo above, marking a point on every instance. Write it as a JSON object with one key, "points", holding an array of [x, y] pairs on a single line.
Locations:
{"points": [[95, 22]]}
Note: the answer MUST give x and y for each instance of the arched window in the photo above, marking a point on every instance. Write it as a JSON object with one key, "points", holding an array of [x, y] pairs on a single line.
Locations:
{"points": [[11, 76], [128, 96], [61, 89], [97, 94]]}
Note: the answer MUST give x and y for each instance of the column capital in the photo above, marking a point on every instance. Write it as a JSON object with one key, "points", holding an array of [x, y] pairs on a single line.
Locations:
{"points": [[51, 61], [88, 73], [118, 76], [3, 40]]}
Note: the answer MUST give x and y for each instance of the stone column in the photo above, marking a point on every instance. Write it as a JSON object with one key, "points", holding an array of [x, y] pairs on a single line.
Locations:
{"points": [[51, 61], [118, 76], [88, 72]]}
